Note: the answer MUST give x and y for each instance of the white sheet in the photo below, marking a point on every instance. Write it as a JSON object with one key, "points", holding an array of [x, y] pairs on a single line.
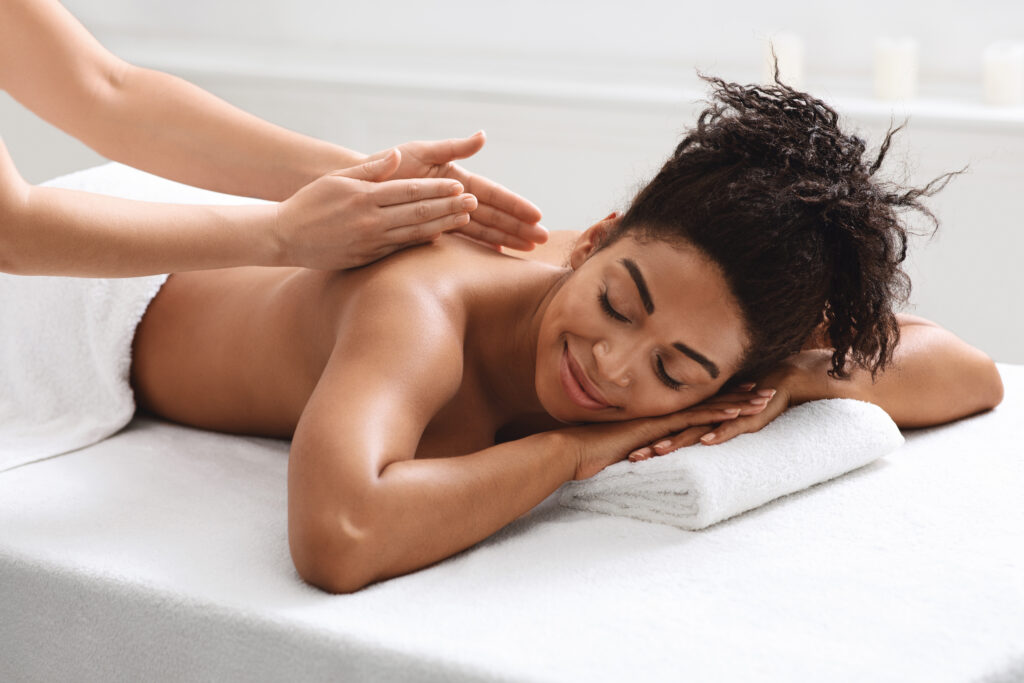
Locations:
{"points": [[161, 554]]}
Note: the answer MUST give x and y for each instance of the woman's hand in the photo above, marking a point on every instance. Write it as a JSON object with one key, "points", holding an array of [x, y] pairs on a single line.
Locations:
{"points": [[503, 218], [787, 385], [350, 217], [601, 444]]}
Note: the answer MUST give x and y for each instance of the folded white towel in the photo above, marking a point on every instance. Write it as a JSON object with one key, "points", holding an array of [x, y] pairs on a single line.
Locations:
{"points": [[700, 485], [65, 354]]}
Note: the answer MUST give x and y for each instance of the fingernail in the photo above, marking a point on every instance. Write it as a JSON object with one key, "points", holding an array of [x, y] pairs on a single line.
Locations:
{"points": [[456, 188], [469, 201], [662, 445], [708, 438], [749, 386], [733, 411], [767, 393], [759, 401]]}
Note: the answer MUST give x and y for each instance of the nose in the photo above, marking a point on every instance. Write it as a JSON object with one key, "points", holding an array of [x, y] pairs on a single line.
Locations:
{"points": [[613, 362]]}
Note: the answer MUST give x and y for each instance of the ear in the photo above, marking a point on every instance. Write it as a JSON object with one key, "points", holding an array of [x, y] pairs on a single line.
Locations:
{"points": [[592, 238]]}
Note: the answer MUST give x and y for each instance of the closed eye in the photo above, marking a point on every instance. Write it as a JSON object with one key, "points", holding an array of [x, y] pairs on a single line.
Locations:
{"points": [[607, 306], [664, 377]]}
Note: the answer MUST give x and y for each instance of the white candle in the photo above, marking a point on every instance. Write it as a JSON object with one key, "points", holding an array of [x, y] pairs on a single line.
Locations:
{"points": [[895, 68], [789, 48], [1004, 74]]}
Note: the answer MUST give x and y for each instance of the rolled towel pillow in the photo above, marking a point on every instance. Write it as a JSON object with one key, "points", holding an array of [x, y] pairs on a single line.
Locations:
{"points": [[697, 486]]}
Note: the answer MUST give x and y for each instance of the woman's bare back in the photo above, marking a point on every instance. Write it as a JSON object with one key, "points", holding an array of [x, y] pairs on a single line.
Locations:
{"points": [[234, 350], [241, 350]]}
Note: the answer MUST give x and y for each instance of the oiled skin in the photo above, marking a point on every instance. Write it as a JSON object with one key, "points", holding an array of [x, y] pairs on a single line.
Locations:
{"points": [[240, 350]]}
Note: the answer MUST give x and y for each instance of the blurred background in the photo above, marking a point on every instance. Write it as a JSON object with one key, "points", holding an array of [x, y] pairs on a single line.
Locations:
{"points": [[583, 101]]}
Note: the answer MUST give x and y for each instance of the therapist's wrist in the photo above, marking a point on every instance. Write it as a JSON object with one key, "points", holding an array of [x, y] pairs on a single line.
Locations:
{"points": [[335, 159], [316, 163], [270, 241]]}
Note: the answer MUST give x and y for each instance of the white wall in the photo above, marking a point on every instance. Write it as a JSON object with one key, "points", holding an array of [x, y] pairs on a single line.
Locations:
{"points": [[582, 101]]}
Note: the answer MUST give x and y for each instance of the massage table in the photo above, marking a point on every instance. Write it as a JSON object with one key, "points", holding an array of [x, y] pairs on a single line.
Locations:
{"points": [[161, 554]]}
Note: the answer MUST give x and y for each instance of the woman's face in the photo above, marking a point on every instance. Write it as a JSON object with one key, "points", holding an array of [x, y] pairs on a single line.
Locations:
{"points": [[639, 329]]}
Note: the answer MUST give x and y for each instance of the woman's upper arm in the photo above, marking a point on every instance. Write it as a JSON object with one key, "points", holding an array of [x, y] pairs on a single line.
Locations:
{"points": [[393, 367], [52, 65]]}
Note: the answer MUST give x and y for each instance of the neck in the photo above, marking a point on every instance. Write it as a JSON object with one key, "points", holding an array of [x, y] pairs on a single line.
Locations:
{"points": [[508, 325]]}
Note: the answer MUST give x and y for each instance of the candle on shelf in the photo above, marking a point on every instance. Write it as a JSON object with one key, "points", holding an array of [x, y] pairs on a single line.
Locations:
{"points": [[895, 68], [1004, 74], [789, 49]]}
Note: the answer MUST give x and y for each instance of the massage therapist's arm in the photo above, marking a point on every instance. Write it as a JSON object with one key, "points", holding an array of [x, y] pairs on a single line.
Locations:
{"points": [[148, 119], [337, 221], [164, 125]]}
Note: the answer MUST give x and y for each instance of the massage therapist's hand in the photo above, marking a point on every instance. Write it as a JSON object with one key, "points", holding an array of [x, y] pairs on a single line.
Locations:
{"points": [[503, 217], [788, 385], [354, 216], [601, 444]]}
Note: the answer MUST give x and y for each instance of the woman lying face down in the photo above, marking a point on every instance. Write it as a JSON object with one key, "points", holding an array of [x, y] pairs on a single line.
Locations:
{"points": [[437, 395]]}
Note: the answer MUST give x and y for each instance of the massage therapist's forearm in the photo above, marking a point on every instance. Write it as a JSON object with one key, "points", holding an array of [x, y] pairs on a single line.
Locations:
{"points": [[422, 511], [935, 377], [51, 231], [165, 125], [148, 119]]}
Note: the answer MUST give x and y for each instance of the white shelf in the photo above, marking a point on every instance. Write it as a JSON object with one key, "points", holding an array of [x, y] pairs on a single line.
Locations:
{"points": [[573, 81]]}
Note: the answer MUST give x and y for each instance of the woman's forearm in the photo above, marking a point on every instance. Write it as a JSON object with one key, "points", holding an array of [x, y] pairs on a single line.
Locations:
{"points": [[935, 377], [165, 125], [51, 231], [422, 511]]}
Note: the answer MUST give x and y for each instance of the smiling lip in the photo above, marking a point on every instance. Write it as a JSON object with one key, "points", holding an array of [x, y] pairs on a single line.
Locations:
{"points": [[577, 385]]}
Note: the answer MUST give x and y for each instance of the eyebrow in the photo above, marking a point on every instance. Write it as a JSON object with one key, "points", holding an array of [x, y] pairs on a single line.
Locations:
{"points": [[645, 297], [700, 358], [641, 284]]}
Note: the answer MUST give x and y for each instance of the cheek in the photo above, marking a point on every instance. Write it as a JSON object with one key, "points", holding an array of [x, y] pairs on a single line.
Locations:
{"points": [[546, 373], [648, 401], [651, 397]]}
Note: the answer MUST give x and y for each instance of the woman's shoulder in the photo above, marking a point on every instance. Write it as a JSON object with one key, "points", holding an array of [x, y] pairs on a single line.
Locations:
{"points": [[555, 251], [437, 276], [454, 273], [447, 266]]}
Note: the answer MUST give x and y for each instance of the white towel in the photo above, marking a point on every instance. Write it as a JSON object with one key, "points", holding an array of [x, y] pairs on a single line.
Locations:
{"points": [[65, 354], [65, 343], [697, 486]]}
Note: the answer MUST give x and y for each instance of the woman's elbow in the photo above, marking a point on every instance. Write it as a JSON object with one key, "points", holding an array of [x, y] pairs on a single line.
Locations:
{"points": [[979, 380], [332, 557], [992, 385]]}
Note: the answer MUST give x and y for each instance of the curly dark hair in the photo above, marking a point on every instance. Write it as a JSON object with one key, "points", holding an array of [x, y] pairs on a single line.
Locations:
{"points": [[772, 191]]}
